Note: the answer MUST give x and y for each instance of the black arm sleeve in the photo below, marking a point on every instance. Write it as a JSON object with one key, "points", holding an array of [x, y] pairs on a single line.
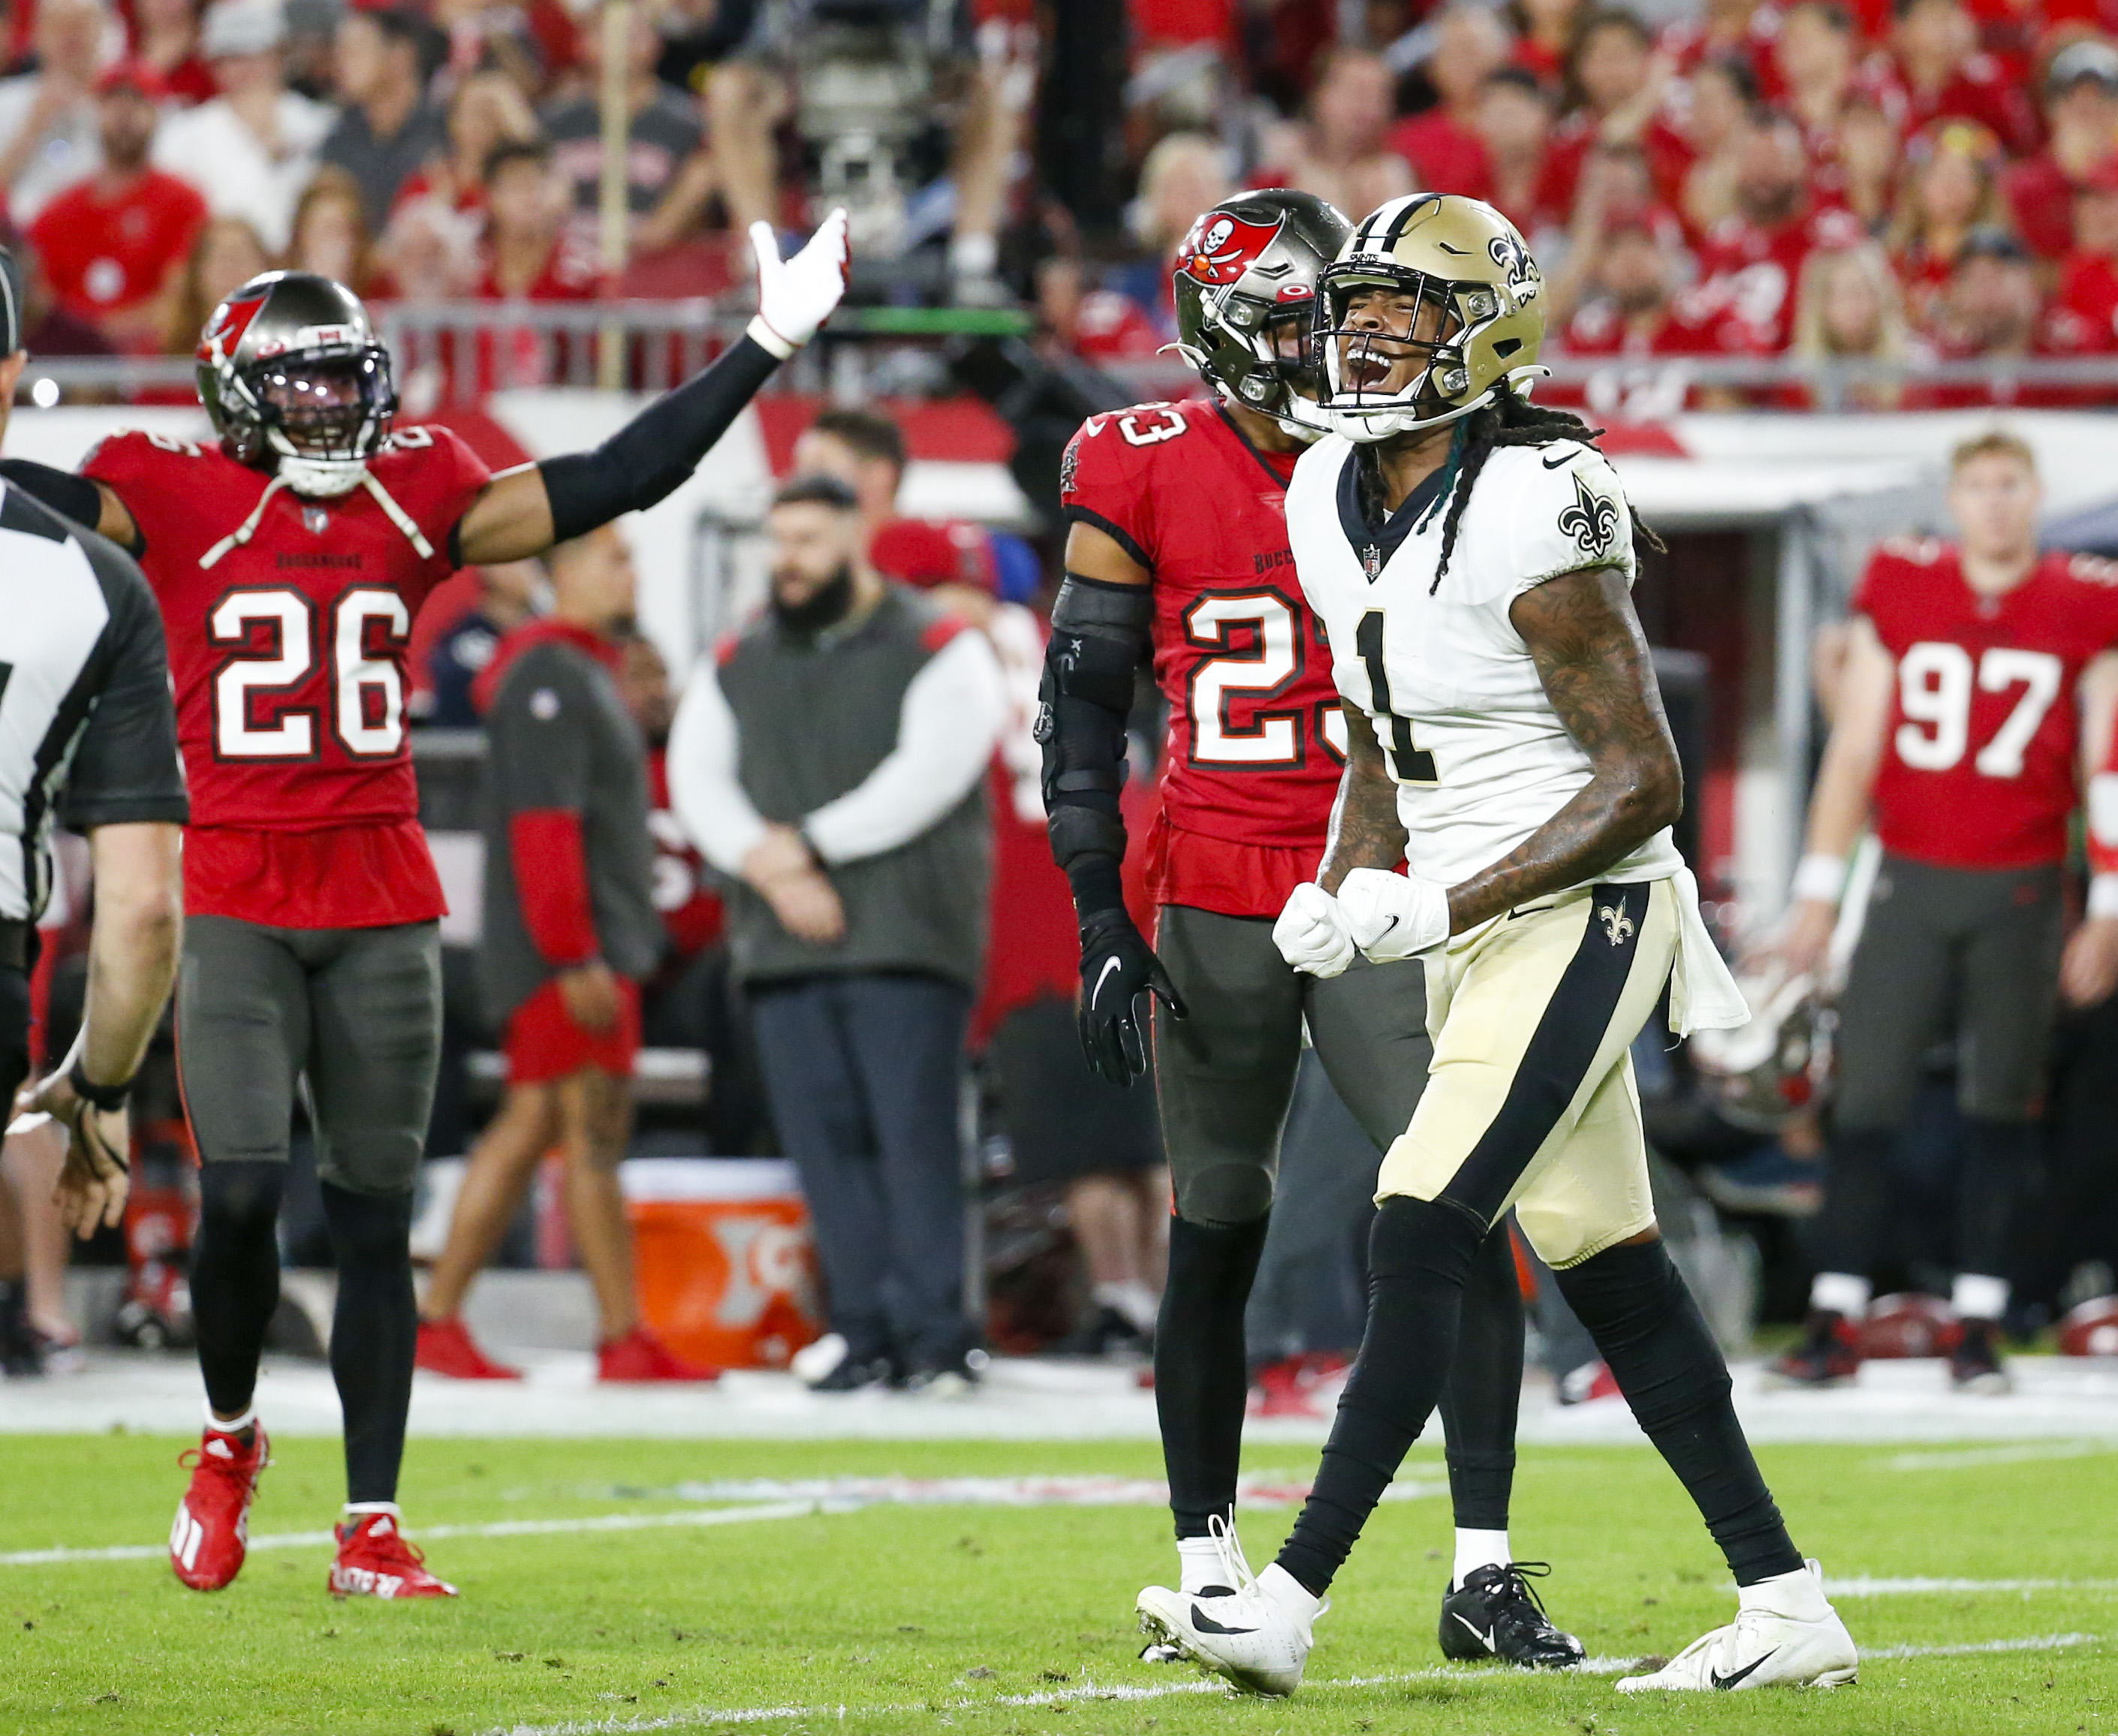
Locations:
{"points": [[127, 768], [70, 496], [1099, 634], [645, 461]]}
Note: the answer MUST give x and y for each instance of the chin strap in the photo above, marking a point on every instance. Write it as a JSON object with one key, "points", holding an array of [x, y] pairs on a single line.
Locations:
{"points": [[395, 513]]}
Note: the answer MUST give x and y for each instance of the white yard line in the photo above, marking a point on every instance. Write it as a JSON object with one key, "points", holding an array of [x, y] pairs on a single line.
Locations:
{"points": [[1879, 1587], [1974, 1458], [1128, 1690]]}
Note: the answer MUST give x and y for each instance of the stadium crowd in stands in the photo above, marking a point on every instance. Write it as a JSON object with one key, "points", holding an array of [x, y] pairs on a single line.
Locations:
{"points": [[1827, 179]]}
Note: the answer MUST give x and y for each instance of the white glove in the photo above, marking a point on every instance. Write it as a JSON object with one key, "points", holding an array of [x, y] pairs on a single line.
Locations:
{"points": [[1311, 934], [1392, 916], [796, 296]]}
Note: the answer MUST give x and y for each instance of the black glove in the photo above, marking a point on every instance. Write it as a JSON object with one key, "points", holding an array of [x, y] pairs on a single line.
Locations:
{"points": [[1117, 967]]}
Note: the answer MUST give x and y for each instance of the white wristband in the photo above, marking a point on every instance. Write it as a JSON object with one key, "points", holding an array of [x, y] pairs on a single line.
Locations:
{"points": [[765, 338], [1821, 877], [2103, 895]]}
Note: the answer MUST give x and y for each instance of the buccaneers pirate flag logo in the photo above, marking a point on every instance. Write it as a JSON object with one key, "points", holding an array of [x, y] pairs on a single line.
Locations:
{"points": [[1221, 247]]}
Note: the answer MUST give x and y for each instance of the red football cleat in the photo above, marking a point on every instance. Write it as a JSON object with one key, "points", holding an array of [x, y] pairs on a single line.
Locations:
{"points": [[640, 1356], [374, 1561], [212, 1531], [447, 1347]]}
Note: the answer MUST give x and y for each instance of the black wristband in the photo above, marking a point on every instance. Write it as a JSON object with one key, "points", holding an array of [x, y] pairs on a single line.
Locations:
{"points": [[107, 1098], [1098, 883]]}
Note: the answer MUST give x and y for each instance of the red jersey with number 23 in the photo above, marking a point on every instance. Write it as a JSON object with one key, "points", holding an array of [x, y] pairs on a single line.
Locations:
{"points": [[1255, 739], [287, 652], [1979, 766]]}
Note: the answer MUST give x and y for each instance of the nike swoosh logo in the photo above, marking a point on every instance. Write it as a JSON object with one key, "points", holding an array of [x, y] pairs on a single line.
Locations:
{"points": [[1564, 458], [1109, 965], [1534, 909], [1386, 927], [1737, 1678], [1206, 1624], [1485, 1639]]}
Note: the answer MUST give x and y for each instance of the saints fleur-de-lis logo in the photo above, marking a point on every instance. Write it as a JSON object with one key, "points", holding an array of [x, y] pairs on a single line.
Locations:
{"points": [[1617, 926], [1592, 521]]}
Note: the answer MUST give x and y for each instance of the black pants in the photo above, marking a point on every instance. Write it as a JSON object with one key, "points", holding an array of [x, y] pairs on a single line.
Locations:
{"points": [[14, 1034], [864, 1073]]}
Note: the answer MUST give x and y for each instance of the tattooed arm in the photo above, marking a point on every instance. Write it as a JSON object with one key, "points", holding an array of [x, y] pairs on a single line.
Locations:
{"points": [[1596, 670], [1366, 832]]}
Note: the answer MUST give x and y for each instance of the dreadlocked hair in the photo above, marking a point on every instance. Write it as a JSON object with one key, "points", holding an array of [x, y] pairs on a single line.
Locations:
{"points": [[1510, 419]]}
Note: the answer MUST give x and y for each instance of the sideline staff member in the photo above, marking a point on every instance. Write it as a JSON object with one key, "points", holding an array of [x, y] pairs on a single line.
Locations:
{"points": [[88, 739]]}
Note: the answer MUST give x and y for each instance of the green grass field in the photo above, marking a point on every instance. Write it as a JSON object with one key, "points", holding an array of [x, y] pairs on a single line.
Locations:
{"points": [[1006, 1620]]}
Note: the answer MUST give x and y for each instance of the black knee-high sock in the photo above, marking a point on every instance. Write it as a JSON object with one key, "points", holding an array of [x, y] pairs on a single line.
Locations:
{"points": [[1857, 1195], [235, 1275], [374, 1330], [1201, 1378], [1997, 1157], [1419, 1254], [1666, 1363], [1484, 1392]]}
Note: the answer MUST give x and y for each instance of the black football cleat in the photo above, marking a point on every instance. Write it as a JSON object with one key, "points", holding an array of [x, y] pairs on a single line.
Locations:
{"points": [[1975, 1364], [1829, 1354], [1495, 1613]]}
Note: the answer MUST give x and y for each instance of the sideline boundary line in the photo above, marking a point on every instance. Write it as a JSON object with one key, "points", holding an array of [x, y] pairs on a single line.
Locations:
{"points": [[1131, 1692]]}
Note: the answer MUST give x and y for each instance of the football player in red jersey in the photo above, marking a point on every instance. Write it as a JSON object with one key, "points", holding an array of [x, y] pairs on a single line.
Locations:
{"points": [[288, 561], [1958, 736], [1177, 551]]}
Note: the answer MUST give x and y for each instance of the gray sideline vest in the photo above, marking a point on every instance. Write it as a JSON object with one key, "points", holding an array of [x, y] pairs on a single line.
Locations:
{"points": [[813, 719]]}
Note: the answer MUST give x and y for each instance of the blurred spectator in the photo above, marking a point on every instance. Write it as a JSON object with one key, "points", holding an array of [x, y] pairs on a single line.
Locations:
{"points": [[48, 117], [1990, 311], [1814, 56], [330, 235], [252, 149], [113, 245], [697, 35], [669, 175], [1184, 175], [508, 595], [1750, 262], [430, 251], [1515, 121], [386, 130], [1950, 188], [227, 255], [1863, 172], [536, 45], [1443, 145], [48, 329], [690, 1001], [2081, 110], [1936, 69], [1743, 31], [952, 560], [1721, 93], [1544, 32], [1342, 152], [2083, 317], [527, 256], [569, 931], [487, 110], [1849, 307], [165, 36], [832, 762], [1625, 298], [1616, 85]]}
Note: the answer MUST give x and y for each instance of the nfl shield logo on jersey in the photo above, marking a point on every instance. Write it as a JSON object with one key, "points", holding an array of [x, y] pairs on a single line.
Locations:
{"points": [[316, 520]]}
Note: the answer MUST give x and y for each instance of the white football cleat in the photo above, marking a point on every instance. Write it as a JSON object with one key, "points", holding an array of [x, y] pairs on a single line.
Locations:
{"points": [[1785, 1636], [1258, 1636]]}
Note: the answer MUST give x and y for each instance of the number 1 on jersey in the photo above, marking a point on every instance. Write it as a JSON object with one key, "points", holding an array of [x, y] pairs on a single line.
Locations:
{"points": [[1411, 765]]}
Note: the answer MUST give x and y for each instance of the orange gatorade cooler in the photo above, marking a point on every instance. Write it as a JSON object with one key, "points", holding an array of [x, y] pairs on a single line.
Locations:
{"points": [[724, 1267]]}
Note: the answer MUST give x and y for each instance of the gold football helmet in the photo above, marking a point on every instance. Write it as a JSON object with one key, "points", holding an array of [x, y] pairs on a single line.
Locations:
{"points": [[1432, 305]]}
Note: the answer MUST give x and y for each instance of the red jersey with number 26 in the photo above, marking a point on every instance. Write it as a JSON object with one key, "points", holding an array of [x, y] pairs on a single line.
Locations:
{"points": [[1256, 737], [287, 651], [1979, 766]]}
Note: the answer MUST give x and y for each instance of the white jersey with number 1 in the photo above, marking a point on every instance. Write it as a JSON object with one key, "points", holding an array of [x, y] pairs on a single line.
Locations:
{"points": [[1480, 757]]}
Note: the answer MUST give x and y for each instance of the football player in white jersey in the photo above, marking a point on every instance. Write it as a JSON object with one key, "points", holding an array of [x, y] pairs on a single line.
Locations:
{"points": [[1471, 558]]}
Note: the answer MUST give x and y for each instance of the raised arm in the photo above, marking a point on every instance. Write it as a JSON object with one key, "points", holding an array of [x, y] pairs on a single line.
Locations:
{"points": [[1594, 662], [522, 512]]}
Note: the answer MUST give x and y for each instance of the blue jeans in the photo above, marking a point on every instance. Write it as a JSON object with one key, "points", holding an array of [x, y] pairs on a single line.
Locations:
{"points": [[863, 1074]]}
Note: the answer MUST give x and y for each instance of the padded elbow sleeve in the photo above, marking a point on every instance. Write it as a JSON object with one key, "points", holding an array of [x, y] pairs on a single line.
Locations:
{"points": [[1099, 633]]}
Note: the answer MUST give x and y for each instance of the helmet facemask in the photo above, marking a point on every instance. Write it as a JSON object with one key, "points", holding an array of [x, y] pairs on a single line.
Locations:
{"points": [[1392, 345], [325, 411]]}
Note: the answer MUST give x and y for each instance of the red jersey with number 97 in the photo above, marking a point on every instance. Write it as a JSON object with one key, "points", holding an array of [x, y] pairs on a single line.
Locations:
{"points": [[287, 651], [1257, 739], [1979, 766]]}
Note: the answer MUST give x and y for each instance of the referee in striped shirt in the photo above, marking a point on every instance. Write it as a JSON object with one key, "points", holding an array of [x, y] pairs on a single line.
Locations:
{"points": [[88, 740]]}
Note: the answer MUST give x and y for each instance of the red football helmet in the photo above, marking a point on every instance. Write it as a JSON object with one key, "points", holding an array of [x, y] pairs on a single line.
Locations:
{"points": [[1910, 1325], [2092, 1329]]}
